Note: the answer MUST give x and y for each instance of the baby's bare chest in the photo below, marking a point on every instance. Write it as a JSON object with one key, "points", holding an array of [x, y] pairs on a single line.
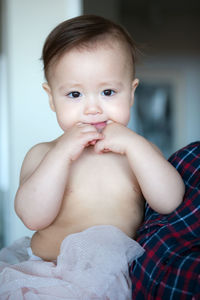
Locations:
{"points": [[99, 185], [101, 189], [101, 174]]}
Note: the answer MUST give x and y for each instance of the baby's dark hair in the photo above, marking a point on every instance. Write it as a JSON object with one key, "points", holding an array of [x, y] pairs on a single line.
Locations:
{"points": [[81, 32]]}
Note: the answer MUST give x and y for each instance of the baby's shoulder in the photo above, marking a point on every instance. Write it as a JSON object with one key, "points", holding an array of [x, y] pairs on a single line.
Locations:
{"points": [[33, 158], [38, 151]]}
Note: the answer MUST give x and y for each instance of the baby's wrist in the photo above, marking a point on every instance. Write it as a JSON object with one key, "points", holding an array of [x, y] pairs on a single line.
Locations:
{"points": [[131, 143], [62, 153]]}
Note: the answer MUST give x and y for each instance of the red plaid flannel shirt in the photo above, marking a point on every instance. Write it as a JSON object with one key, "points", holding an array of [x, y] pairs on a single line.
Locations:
{"points": [[170, 267]]}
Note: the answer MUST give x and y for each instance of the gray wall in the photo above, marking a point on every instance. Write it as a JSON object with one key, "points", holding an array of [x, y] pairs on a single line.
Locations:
{"points": [[168, 37]]}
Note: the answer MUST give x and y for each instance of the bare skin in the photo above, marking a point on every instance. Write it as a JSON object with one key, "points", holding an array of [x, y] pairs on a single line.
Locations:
{"points": [[99, 171], [101, 187], [107, 193]]}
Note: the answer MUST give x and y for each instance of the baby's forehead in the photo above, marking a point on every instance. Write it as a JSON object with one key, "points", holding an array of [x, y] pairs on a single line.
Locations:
{"points": [[112, 45], [109, 43]]}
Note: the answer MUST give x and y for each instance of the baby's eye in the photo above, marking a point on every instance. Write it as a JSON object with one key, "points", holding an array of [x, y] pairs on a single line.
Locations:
{"points": [[74, 94], [108, 93]]}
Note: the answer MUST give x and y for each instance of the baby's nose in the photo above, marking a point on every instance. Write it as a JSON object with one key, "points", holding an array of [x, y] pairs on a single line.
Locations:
{"points": [[92, 106]]}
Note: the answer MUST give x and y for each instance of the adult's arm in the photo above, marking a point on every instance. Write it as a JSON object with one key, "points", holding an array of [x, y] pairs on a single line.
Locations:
{"points": [[170, 267]]}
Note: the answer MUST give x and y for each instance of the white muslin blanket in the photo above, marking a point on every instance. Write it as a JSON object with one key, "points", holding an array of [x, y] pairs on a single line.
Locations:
{"points": [[92, 264]]}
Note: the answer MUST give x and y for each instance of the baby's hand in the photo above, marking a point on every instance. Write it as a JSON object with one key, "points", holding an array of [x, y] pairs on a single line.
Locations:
{"points": [[77, 138], [116, 138]]}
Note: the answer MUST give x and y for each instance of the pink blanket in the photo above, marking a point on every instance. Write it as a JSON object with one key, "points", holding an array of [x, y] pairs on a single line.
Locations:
{"points": [[92, 264]]}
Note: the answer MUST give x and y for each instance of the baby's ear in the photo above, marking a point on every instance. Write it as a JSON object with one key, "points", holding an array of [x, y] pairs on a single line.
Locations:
{"points": [[47, 89], [134, 86]]}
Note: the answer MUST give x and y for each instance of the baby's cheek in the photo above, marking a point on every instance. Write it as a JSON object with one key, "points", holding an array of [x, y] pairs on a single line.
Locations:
{"points": [[121, 112], [65, 121], [123, 118]]}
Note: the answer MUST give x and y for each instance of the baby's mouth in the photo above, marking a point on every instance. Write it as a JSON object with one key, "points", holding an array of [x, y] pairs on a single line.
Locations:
{"points": [[99, 126]]}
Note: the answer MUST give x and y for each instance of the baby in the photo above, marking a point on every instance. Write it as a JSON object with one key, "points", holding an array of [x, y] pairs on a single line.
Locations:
{"points": [[95, 176]]}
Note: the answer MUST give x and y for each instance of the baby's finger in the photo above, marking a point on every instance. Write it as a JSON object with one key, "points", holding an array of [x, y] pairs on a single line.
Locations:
{"points": [[90, 138], [86, 127], [99, 147], [93, 142]]}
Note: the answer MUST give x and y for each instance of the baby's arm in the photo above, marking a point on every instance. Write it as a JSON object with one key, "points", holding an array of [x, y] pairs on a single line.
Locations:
{"points": [[44, 176], [160, 183]]}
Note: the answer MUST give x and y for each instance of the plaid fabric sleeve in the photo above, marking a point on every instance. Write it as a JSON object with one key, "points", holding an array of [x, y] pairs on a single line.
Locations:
{"points": [[170, 267]]}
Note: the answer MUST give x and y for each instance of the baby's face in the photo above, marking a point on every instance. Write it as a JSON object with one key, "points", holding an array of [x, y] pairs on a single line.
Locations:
{"points": [[92, 86]]}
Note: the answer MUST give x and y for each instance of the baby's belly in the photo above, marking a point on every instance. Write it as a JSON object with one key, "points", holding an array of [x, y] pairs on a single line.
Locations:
{"points": [[101, 190], [46, 243]]}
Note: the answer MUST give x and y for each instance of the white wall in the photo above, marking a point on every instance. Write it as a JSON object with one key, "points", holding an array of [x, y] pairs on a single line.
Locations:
{"points": [[26, 25]]}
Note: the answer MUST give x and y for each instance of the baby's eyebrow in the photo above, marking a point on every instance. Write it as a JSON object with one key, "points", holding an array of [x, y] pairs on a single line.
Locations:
{"points": [[111, 83], [69, 85]]}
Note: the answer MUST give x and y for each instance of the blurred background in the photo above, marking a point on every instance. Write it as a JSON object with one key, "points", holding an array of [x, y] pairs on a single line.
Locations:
{"points": [[167, 101]]}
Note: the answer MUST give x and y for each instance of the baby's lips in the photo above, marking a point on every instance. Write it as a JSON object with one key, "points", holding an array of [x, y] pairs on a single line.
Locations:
{"points": [[100, 127]]}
